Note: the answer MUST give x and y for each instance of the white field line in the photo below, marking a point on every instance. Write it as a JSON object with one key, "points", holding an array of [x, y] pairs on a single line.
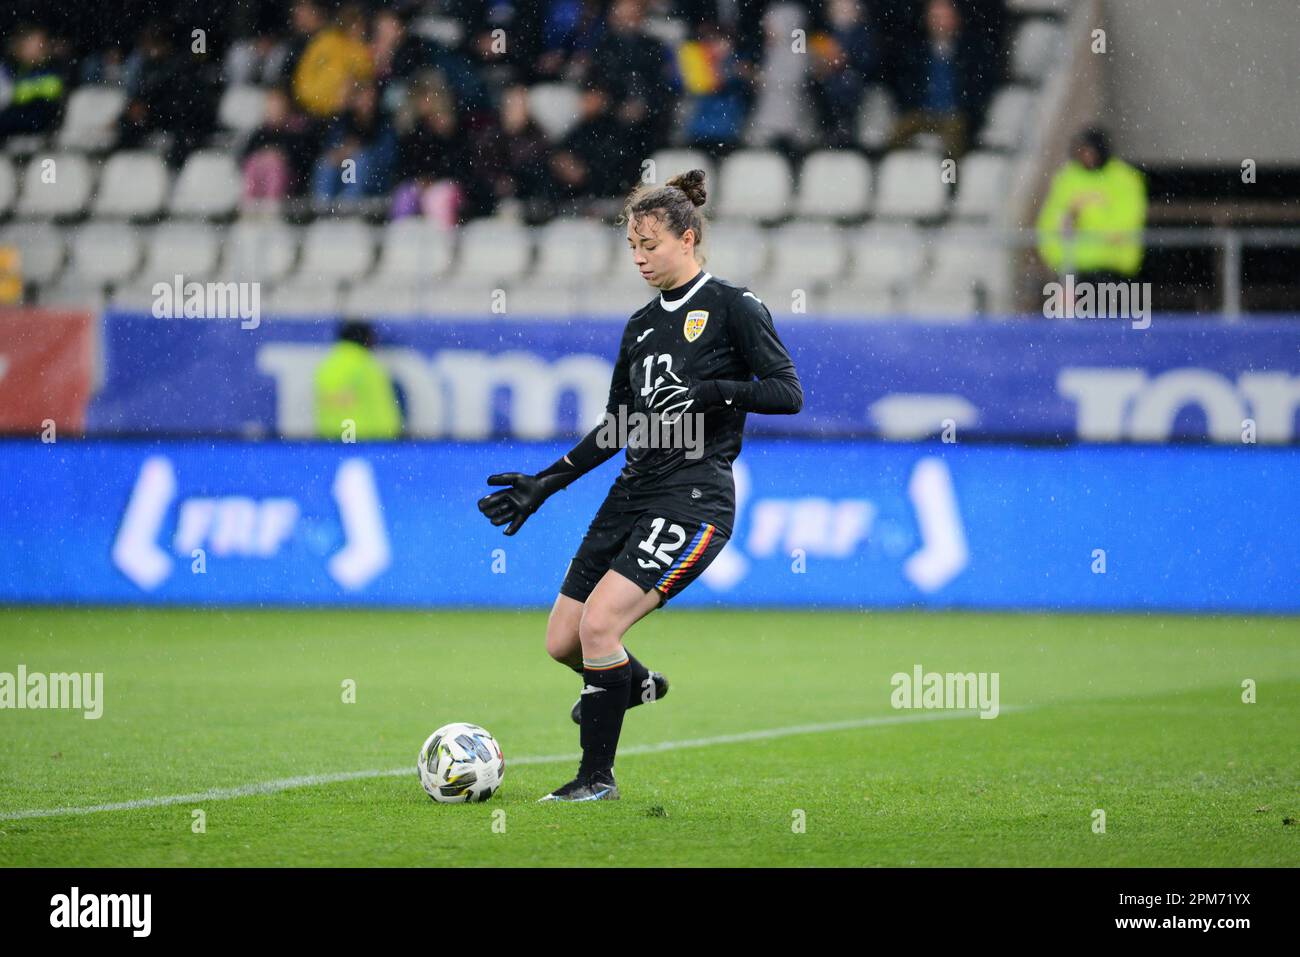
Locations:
{"points": [[313, 780]]}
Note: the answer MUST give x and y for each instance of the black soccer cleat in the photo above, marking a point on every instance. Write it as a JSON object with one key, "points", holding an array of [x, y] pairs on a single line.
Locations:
{"points": [[597, 786], [661, 689]]}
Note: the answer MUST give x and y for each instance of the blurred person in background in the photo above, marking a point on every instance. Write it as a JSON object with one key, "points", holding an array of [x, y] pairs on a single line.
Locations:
{"points": [[570, 31], [782, 115], [933, 82], [716, 88], [843, 63], [360, 151], [517, 151], [597, 156], [172, 95], [351, 385], [1091, 222], [275, 160], [334, 63], [437, 166], [35, 84]]}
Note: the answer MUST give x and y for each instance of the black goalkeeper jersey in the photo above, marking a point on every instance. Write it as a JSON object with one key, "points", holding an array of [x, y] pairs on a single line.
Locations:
{"points": [[707, 328]]}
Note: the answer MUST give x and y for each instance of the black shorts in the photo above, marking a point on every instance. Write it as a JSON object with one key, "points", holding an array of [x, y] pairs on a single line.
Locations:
{"points": [[656, 550]]}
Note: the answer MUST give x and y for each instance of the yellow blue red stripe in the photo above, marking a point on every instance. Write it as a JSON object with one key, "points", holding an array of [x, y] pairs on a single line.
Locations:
{"points": [[686, 559]]}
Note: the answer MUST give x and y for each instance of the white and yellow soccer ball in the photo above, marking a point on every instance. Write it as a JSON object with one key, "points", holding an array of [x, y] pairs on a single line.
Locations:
{"points": [[460, 763]]}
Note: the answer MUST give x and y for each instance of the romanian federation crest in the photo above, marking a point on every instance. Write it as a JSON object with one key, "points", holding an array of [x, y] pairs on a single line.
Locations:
{"points": [[695, 322]]}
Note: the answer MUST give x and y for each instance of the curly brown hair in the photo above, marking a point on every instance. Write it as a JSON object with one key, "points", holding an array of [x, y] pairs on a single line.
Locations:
{"points": [[676, 204]]}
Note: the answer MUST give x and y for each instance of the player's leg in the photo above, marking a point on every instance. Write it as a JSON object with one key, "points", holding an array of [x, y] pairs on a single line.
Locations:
{"points": [[562, 641]]}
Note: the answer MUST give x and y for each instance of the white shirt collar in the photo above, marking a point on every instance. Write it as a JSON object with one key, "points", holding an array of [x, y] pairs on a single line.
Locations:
{"points": [[672, 306]]}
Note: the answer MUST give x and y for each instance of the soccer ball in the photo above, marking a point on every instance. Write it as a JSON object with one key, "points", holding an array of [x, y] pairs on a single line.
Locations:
{"points": [[460, 763]]}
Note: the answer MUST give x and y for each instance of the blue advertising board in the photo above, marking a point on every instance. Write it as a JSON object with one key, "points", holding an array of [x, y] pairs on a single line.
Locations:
{"points": [[818, 524], [497, 377]]}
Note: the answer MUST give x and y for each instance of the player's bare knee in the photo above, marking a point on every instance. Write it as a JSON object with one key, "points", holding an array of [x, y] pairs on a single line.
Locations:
{"points": [[599, 632]]}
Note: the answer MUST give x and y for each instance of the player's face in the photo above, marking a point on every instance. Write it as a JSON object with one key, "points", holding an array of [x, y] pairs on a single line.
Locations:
{"points": [[663, 259]]}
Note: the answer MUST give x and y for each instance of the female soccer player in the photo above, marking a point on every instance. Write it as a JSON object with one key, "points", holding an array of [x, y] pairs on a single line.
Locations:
{"points": [[695, 350]]}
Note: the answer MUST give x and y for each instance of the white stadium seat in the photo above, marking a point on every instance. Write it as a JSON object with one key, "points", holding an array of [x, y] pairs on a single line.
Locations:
{"points": [[981, 180], [754, 184], [299, 298], [72, 294], [242, 108], [541, 298], [258, 250], [415, 249], [876, 117], [948, 305], [911, 186], [965, 261], [834, 184], [104, 252], [336, 250], [56, 186], [40, 249], [737, 252], [885, 257], [465, 299], [808, 255], [90, 118], [388, 296], [1008, 117], [188, 249], [673, 162], [573, 249], [1035, 50], [133, 186], [853, 302], [493, 251], [209, 185], [554, 107]]}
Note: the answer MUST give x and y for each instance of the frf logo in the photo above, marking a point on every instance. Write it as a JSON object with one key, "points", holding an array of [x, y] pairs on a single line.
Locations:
{"points": [[243, 527]]}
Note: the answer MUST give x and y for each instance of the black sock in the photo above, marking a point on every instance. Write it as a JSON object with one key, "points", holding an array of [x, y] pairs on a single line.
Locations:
{"points": [[602, 716], [637, 686]]}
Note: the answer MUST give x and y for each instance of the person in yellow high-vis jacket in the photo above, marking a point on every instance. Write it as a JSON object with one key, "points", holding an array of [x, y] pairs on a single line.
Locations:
{"points": [[355, 399], [1090, 226]]}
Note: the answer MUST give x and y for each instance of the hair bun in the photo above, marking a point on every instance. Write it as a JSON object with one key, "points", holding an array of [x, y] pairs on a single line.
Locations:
{"points": [[692, 184]]}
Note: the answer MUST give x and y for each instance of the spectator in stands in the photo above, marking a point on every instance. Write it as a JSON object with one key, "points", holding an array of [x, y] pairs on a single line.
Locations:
{"points": [[355, 398], [716, 88], [171, 97], [436, 168], [933, 82], [260, 60], [843, 63], [570, 31], [641, 79], [583, 164], [37, 88], [276, 158], [1090, 225], [360, 151], [517, 152], [335, 62], [781, 112], [397, 53]]}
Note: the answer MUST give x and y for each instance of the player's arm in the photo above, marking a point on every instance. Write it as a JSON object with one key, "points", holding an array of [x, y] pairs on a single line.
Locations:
{"points": [[526, 493], [777, 390]]}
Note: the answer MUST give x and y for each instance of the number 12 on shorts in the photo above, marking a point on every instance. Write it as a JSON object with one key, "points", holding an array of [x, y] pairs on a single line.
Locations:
{"points": [[664, 551]]}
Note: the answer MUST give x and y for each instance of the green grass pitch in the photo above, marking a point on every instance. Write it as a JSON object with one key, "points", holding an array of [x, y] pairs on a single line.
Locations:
{"points": [[1139, 716]]}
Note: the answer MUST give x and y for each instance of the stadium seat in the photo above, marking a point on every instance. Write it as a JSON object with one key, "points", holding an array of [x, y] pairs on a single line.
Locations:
{"points": [[968, 260], [67, 191], [104, 252], [945, 305], [493, 251], [301, 298], [911, 186], [209, 185], [72, 294], [90, 118], [1036, 48], [465, 299], [673, 162], [8, 185], [853, 302], [619, 295], [754, 184], [133, 186], [388, 296], [885, 257], [981, 179], [40, 249], [258, 250], [807, 255], [834, 184], [1008, 118], [573, 249], [1040, 6], [541, 297], [335, 250], [415, 249], [737, 252], [192, 250], [242, 108], [554, 107]]}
